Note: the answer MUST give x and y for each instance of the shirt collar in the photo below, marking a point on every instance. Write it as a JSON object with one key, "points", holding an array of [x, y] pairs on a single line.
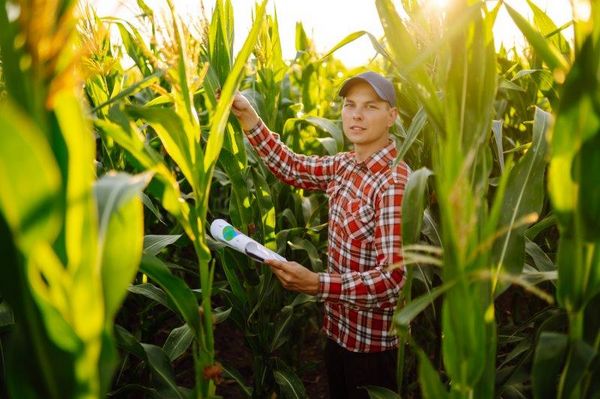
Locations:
{"points": [[380, 158]]}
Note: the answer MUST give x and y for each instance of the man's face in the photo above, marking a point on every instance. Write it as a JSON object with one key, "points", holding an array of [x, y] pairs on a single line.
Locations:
{"points": [[366, 118]]}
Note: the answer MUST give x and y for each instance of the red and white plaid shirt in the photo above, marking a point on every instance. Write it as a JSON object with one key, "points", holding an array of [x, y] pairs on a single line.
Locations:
{"points": [[365, 235]]}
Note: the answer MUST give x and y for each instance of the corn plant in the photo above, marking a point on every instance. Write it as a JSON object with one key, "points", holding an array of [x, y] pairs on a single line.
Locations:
{"points": [[453, 78], [193, 149], [563, 363], [70, 245]]}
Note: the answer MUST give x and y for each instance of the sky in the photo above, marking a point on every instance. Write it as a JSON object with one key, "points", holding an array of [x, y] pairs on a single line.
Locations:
{"points": [[329, 21]]}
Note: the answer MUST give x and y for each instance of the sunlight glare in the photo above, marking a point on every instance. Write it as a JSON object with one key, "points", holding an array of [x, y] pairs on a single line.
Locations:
{"points": [[583, 10], [441, 4]]}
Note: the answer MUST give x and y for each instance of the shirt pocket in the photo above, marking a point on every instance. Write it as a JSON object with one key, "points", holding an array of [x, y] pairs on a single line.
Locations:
{"points": [[359, 220]]}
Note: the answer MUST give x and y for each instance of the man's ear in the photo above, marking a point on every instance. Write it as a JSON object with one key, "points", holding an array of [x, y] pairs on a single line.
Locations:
{"points": [[393, 113]]}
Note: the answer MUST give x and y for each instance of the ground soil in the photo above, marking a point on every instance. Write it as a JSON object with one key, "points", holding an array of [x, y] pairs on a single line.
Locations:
{"points": [[230, 350]]}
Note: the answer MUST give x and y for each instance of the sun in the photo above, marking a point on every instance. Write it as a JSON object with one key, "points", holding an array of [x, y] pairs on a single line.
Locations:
{"points": [[441, 4]]}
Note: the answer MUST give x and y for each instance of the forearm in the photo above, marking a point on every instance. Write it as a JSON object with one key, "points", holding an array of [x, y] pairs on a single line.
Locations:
{"points": [[308, 172]]}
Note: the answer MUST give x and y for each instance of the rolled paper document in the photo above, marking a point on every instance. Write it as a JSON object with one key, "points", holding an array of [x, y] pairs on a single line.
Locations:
{"points": [[222, 231]]}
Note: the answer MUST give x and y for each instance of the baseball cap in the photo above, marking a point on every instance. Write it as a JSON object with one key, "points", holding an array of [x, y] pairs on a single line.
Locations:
{"points": [[383, 87]]}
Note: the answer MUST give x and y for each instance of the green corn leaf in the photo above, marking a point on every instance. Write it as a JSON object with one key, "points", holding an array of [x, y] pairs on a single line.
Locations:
{"points": [[220, 40], [299, 243], [376, 392], [131, 90], [33, 209], [524, 195], [497, 130], [279, 334], [154, 356], [549, 357], [416, 126], [412, 205], [128, 389], [540, 258], [134, 43], [176, 289], [540, 226], [120, 238], [234, 77], [153, 244], [152, 208], [404, 316], [237, 377], [589, 196], [429, 379], [178, 342], [151, 160], [291, 386], [6, 316], [550, 54], [229, 265], [328, 127], [33, 352], [266, 209], [241, 213], [548, 29], [404, 52], [572, 181], [154, 293], [347, 40], [169, 127]]}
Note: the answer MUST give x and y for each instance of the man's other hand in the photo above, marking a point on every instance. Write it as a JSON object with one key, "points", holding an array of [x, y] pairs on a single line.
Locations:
{"points": [[295, 277]]}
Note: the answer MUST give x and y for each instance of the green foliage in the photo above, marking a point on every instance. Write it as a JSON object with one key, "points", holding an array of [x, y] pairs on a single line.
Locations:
{"points": [[502, 207]]}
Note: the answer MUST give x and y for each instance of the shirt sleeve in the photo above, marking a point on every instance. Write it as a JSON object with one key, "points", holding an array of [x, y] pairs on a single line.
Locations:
{"points": [[302, 171], [375, 288]]}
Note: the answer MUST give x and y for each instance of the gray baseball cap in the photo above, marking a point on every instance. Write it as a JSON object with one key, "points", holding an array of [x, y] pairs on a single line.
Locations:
{"points": [[382, 86]]}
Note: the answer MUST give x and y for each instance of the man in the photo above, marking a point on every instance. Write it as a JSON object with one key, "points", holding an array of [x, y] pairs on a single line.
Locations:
{"points": [[365, 232]]}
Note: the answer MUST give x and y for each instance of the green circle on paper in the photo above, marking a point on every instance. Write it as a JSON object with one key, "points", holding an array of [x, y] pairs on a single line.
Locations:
{"points": [[229, 233]]}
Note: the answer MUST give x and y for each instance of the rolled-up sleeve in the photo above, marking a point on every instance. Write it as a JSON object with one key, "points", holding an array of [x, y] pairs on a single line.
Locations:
{"points": [[302, 171]]}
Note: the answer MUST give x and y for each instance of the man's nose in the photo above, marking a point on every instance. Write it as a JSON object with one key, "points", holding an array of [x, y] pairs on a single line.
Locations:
{"points": [[357, 114]]}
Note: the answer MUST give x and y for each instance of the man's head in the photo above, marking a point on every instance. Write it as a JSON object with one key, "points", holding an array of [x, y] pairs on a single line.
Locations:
{"points": [[368, 112]]}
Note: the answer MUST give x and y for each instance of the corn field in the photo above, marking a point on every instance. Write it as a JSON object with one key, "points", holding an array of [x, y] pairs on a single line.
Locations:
{"points": [[117, 150]]}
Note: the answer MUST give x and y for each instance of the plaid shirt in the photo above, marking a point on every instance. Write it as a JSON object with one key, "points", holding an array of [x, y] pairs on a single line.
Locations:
{"points": [[365, 235]]}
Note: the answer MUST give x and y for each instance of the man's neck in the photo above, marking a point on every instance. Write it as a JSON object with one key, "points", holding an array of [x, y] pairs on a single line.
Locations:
{"points": [[362, 153]]}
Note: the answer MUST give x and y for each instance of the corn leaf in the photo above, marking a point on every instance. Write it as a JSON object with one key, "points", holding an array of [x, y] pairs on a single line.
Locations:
{"points": [[153, 293], [412, 205], [549, 53], [178, 342], [524, 195], [376, 392], [550, 354], [32, 210], [156, 359], [221, 114], [175, 288], [429, 379], [153, 244], [289, 383], [121, 234]]}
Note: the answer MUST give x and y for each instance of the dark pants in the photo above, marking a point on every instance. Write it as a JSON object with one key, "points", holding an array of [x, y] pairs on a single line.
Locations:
{"points": [[348, 370]]}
